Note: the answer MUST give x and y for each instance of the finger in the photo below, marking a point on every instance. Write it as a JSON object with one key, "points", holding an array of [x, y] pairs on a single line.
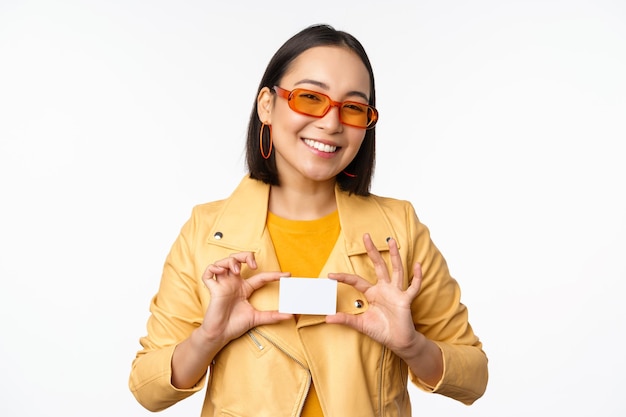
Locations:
{"points": [[259, 280], [209, 277], [216, 270], [234, 261], [270, 317], [208, 274], [416, 282], [245, 258], [349, 320], [234, 265], [356, 281], [377, 260], [226, 266], [397, 270]]}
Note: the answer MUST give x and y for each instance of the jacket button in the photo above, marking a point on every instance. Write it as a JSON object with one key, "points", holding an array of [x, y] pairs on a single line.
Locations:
{"points": [[218, 235], [358, 303]]}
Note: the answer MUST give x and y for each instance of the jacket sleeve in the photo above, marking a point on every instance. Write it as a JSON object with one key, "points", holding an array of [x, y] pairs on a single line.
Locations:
{"points": [[439, 314], [175, 311]]}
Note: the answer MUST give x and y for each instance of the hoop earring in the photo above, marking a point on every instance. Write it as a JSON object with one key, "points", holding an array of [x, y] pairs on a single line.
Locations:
{"points": [[269, 152], [349, 175]]}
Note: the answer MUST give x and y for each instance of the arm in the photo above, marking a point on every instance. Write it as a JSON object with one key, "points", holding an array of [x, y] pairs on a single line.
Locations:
{"points": [[182, 338], [441, 317], [175, 312], [425, 325]]}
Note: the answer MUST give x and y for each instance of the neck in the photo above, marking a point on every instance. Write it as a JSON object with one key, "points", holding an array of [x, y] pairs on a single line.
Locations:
{"points": [[303, 202]]}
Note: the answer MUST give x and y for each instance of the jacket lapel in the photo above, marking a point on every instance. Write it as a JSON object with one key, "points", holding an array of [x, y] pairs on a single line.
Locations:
{"points": [[241, 226], [241, 223], [359, 215]]}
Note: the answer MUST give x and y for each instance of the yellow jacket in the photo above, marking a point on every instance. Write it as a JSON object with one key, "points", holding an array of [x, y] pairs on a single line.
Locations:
{"points": [[268, 371]]}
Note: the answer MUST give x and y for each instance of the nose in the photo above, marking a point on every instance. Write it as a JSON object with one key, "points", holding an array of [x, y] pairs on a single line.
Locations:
{"points": [[331, 120]]}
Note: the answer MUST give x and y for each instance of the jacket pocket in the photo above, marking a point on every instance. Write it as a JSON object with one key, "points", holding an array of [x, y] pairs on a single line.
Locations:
{"points": [[257, 344]]}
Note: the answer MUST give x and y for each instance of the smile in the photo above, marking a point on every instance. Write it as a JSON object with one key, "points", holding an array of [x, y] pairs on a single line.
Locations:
{"points": [[320, 146]]}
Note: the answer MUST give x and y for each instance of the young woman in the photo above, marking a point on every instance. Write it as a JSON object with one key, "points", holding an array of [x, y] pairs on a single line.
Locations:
{"points": [[305, 210]]}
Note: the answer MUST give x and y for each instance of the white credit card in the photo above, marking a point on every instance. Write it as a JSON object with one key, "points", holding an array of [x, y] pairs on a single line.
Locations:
{"points": [[307, 296]]}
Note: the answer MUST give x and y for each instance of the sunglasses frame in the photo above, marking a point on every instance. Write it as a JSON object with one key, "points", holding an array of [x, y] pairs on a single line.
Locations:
{"points": [[286, 94]]}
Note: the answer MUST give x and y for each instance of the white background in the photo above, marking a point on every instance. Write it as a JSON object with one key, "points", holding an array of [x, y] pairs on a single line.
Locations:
{"points": [[502, 121]]}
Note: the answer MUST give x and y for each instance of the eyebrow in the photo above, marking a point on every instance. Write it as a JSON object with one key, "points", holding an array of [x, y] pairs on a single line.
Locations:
{"points": [[326, 87]]}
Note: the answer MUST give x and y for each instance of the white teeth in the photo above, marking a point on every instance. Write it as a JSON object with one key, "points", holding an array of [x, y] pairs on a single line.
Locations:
{"points": [[320, 146]]}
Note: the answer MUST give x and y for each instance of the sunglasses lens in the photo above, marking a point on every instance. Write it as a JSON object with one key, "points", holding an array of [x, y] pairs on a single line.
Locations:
{"points": [[355, 114], [309, 102]]}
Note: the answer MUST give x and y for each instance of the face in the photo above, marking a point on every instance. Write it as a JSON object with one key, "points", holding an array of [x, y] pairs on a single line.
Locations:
{"points": [[308, 148]]}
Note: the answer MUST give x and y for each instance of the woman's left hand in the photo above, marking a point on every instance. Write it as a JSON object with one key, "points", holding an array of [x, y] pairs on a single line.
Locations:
{"points": [[388, 319]]}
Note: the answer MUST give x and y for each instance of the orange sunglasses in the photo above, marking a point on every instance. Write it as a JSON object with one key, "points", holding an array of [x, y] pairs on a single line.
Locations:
{"points": [[314, 104]]}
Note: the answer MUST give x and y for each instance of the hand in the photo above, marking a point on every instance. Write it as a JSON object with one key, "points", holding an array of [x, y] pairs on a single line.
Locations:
{"points": [[229, 314], [388, 319]]}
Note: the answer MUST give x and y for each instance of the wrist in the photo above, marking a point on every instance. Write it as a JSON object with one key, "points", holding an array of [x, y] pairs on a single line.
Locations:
{"points": [[202, 341], [425, 359], [414, 349]]}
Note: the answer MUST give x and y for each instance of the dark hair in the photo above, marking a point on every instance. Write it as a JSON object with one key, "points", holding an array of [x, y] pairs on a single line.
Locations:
{"points": [[357, 177]]}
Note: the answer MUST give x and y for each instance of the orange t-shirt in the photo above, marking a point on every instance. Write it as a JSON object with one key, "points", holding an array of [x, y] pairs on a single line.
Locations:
{"points": [[302, 248]]}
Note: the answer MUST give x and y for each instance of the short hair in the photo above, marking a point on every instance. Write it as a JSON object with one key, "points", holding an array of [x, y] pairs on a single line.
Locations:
{"points": [[357, 176]]}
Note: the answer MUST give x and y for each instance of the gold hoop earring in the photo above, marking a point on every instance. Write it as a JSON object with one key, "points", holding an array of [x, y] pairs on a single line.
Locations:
{"points": [[269, 152]]}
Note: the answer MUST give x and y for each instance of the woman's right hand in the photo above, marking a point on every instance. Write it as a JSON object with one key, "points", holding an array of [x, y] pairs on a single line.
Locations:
{"points": [[229, 314]]}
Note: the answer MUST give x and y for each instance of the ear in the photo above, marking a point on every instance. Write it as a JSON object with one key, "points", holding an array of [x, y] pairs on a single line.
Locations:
{"points": [[264, 105]]}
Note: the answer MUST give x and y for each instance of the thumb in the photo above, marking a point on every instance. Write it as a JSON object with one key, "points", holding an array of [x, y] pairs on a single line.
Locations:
{"points": [[342, 318]]}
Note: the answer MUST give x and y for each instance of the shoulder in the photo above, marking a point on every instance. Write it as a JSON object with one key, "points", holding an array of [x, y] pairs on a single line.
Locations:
{"points": [[208, 209], [388, 205], [249, 193]]}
